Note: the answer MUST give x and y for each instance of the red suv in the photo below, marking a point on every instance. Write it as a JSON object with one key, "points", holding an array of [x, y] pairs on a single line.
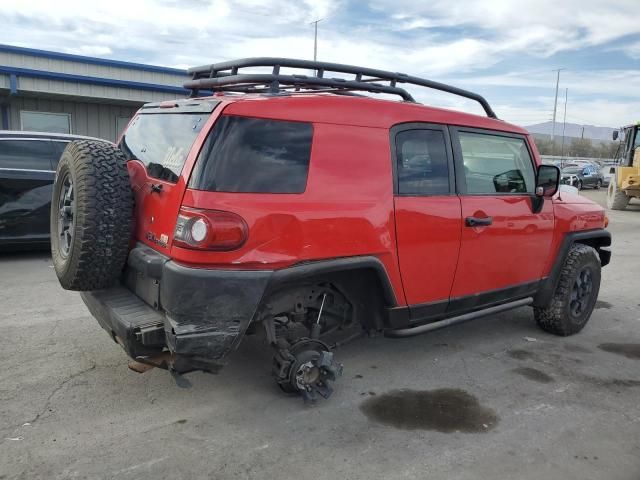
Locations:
{"points": [[292, 205]]}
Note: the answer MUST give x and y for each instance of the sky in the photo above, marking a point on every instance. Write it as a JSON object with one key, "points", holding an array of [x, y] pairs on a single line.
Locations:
{"points": [[506, 50]]}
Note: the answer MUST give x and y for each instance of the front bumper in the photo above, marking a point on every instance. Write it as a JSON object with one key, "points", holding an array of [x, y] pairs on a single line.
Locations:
{"points": [[199, 315]]}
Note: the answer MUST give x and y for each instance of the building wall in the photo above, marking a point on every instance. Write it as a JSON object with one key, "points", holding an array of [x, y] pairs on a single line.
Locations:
{"points": [[91, 119], [99, 95], [88, 77], [88, 91]]}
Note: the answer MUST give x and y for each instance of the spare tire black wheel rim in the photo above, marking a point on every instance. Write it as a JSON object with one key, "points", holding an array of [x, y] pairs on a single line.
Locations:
{"points": [[66, 217], [581, 292]]}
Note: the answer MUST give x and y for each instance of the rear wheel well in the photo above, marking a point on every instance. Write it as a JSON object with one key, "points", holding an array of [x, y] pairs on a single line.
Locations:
{"points": [[361, 289]]}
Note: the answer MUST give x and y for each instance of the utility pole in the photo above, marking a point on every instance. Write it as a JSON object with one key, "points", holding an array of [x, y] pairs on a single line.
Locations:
{"points": [[555, 108], [582, 135], [564, 124], [315, 38]]}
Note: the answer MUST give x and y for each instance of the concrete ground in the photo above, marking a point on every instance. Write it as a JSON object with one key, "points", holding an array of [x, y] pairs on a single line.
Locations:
{"points": [[496, 398]]}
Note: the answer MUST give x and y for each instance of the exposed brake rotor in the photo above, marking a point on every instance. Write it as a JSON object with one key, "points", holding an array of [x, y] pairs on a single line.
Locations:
{"points": [[307, 367]]}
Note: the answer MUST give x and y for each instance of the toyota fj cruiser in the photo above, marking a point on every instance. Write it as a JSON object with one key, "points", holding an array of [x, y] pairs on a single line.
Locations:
{"points": [[294, 206]]}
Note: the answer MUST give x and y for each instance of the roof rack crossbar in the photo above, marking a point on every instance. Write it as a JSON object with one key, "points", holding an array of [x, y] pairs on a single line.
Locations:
{"points": [[226, 76]]}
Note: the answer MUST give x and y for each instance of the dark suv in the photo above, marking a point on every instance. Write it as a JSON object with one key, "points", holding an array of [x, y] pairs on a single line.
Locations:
{"points": [[293, 206], [28, 162]]}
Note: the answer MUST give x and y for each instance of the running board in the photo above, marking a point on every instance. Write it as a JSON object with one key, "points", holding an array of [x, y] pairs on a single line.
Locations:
{"points": [[410, 332]]}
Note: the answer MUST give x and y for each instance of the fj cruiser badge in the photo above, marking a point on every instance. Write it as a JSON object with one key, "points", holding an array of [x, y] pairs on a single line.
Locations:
{"points": [[163, 241]]}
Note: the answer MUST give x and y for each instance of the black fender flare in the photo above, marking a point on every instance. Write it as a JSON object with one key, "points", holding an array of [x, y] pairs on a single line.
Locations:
{"points": [[318, 268], [600, 239]]}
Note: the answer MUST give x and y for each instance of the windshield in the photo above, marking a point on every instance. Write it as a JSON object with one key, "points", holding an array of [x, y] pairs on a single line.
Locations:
{"points": [[162, 141], [572, 170]]}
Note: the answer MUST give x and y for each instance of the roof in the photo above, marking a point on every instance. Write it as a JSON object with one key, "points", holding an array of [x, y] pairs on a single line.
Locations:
{"points": [[232, 76], [355, 110], [48, 135], [92, 60], [28, 71]]}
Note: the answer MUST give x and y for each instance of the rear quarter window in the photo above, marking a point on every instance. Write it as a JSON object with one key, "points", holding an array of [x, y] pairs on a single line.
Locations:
{"points": [[254, 155]]}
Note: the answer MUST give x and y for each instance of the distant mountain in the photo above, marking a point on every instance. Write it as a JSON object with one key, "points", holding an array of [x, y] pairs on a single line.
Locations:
{"points": [[572, 130]]}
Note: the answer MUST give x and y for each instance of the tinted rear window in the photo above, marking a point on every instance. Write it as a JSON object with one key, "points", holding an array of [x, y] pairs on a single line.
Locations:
{"points": [[162, 141], [422, 164], [253, 155], [28, 154]]}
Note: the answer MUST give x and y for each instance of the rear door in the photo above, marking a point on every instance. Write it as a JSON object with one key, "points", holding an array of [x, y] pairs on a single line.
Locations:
{"points": [[26, 179], [504, 241], [428, 216], [158, 144]]}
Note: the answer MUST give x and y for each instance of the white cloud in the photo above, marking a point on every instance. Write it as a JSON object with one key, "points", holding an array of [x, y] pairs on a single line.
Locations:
{"points": [[458, 42], [93, 50], [541, 27], [614, 83], [632, 50]]}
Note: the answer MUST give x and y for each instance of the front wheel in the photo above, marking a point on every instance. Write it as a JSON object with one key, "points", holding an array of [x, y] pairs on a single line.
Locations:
{"points": [[579, 185], [575, 295], [598, 184]]}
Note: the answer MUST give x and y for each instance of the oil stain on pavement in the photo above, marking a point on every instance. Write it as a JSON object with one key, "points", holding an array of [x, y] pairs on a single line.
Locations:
{"points": [[533, 374], [444, 410], [522, 355], [603, 304], [629, 350]]}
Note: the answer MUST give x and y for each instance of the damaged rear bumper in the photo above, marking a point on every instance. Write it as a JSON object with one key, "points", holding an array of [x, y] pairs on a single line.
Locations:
{"points": [[198, 315]]}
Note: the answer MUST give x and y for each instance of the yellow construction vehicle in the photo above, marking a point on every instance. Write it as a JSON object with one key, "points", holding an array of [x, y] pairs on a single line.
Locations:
{"points": [[625, 184]]}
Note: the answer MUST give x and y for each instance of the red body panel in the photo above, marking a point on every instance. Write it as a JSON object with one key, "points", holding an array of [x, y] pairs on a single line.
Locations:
{"points": [[572, 213], [509, 251], [348, 207], [428, 232]]}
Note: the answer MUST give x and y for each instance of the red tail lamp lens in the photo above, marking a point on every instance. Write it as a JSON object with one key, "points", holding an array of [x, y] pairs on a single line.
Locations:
{"points": [[210, 230]]}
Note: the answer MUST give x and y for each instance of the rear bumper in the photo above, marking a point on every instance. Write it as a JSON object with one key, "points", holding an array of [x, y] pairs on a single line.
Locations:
{"points": [[199, 315]]}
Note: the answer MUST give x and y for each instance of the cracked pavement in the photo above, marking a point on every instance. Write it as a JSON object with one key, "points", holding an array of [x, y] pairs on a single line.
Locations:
{"points": [[566, 409]]}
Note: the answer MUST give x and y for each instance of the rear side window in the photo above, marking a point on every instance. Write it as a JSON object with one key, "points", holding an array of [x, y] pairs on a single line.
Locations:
{"points": [[162, 142], [496, 164], [253, 155], [27, 154], [422, 165]]}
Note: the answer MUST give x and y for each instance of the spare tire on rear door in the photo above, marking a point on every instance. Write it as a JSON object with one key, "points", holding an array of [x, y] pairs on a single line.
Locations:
{"points": [[91, 215]]}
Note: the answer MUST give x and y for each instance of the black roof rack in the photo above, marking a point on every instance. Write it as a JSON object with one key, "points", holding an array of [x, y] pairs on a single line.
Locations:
{"points": [[226, 76]]}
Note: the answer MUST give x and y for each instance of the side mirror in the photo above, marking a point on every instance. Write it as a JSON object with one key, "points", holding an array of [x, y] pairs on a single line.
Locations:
{"points": [[615, 135], [547, 181]]}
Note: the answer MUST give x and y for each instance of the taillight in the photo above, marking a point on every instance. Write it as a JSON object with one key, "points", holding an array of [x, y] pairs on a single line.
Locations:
{"points": [[210, 229]]}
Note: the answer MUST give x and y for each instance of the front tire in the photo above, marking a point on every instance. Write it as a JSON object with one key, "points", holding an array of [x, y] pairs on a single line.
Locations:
{"points": [[598, 184], [575, 295], [579, 185]]}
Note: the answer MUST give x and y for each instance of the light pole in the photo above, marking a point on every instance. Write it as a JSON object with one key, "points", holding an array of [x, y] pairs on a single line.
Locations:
{"points": [[564, 124], [555, 107], [315, 38]]}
